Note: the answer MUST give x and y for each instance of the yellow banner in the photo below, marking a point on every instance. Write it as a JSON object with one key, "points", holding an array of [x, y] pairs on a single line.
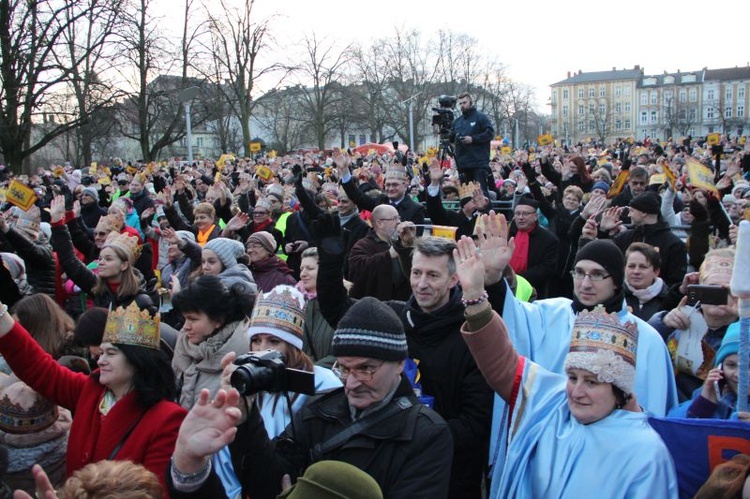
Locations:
{"points": [[20, 195], [505, 150], [701, 177], [669, 174], [93, 168], [444, 231], [545, 139], [713, 139], [255, 147], [227, 157], [618, 184]]}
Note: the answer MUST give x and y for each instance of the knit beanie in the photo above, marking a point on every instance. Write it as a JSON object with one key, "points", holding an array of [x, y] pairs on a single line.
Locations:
{"points": [[89, 329], [371, 329], [648, 202], [91, 192], [228, 250], [265, 239], [186, 235], [730, 344], [281, 313], [334, 480], [23, 411], [608, 255], [602, 185]]}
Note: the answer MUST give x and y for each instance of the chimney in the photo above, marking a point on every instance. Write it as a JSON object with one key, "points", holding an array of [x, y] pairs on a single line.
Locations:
{"points": [[637, 67], [614, 68], [568, 74], [580, 72]]}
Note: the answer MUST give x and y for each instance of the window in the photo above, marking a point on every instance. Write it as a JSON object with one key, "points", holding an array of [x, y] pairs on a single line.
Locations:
{"points": [[728, 93], [592, 125], [362, 139], [627, 124], [668, 96], [618, 107], [627, 91], [693, 114], [581, 126], [683, 96], [710, 95], [740, 93], [565, 94], [654, 97], [618, 91], [352, 139], [644, 117], [627, 107], [618, 125], [654, 116], [602, 109], [602, 91], [728, 112], [592, 92], [740, 110], [693, 95], [565, 111], [183, 142], [644, 98], [199, 142], [580, 93], [580, 110], [710, 113]]}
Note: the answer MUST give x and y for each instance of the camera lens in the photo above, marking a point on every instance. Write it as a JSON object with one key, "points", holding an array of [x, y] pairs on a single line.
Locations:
{"points": [[250, 379]]}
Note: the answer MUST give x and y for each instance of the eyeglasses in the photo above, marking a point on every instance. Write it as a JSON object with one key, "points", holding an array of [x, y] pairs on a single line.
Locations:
{"points": [[359, 373], [524, 213], [595, 276], [101, 233], [394, 219], [260, 213]]}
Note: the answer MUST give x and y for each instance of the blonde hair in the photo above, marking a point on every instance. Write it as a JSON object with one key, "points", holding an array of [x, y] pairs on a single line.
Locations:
{"points": [[112, 480], [129, 285], [205, 209]]}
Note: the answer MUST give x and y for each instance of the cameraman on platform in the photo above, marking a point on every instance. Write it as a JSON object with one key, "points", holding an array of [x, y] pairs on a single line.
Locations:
{"points": [[471, 134]]}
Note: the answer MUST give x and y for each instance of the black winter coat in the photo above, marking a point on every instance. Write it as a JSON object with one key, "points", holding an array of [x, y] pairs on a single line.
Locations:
{"points": [[478, 126], [542, 260], [440, 216], [408, 209], [41, 270], [408, 453]]}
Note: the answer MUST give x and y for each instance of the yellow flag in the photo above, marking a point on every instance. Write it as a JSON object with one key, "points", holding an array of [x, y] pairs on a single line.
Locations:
{"points": [[263, 172], [93, 168], [255, 147], [545, 139], [700, 176], [713, 139], [20, 195], [505, 150], [669, 174], [618, 184]]}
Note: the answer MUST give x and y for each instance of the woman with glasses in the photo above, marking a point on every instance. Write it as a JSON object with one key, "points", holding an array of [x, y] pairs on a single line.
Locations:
{"points": [[268, 269], [276, 324]]}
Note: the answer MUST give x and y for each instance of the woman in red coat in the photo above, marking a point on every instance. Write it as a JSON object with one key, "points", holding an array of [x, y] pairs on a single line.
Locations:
{"points": [[122, 411]]}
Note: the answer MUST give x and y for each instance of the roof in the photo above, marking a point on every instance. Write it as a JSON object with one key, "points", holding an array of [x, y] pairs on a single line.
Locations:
{"points": [[735, 73], [597, 76]]}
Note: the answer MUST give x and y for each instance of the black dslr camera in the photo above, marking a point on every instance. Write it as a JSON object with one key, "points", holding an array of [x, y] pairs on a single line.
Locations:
{"points": [[266, 372], [442, 120]]}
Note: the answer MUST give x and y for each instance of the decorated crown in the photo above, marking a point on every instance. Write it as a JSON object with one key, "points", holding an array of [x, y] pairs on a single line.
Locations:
{"points": [[125, 242], [716, 264], [110, 223], [24, 411], [467, 190], [603, 345], [397, 172], [132, 326], [280, 312]]}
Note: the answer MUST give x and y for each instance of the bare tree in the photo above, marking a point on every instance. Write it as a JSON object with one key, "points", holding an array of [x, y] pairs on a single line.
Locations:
{"points": [[318, 76], [370, 73], [237, 43], [279, 114], [31, 33]]}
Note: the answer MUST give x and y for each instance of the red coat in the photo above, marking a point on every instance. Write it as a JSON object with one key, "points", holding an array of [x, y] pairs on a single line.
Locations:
{"points": [[93, 437]]}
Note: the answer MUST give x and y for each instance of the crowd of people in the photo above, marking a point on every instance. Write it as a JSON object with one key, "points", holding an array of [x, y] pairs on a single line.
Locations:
{"points": [[496, 324]]}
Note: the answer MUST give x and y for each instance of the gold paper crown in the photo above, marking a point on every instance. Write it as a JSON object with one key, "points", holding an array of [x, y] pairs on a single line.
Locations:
{"points": [[110, 223], [132, 326], [467, 190], [125, 242]]}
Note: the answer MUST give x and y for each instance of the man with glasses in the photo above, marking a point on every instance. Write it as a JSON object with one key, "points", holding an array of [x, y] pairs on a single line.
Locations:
{"points": [[536, 254], [374, 265], [374, 422]]}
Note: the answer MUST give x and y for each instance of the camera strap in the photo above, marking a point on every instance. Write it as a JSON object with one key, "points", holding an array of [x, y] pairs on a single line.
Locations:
{"points": [[336, 441]]}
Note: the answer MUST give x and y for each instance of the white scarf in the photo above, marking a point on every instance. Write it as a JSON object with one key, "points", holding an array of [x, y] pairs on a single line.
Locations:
{"points": [[647, 294]]}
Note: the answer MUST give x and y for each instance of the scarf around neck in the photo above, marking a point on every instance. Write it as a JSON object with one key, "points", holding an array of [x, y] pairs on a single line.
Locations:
{"points": [[202, 236], [647, 294], [519, 262]]}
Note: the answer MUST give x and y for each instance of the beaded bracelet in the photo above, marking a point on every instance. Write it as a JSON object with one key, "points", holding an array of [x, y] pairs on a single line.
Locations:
{"points": [[190, 478], [3, 310], [475, 301]]}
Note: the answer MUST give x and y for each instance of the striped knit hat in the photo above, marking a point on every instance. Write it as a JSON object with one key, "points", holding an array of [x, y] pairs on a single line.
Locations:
{"points": [[371, 329]]}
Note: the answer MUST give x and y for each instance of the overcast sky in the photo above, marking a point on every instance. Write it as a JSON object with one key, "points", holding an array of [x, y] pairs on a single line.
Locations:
{"points": [[540, 41]]}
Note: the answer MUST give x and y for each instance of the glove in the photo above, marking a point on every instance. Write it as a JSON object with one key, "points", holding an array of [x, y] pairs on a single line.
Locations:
{"points": [[298, 173], [326, 229]]}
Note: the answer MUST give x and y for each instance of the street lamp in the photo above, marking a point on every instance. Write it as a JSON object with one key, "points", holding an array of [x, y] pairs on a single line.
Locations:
{"points": [[410, 100], [186, 98]]}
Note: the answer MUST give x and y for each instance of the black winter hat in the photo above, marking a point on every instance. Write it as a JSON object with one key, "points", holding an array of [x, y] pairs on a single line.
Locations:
{"points": [[371, 329], [608, 255], [648, 202]]}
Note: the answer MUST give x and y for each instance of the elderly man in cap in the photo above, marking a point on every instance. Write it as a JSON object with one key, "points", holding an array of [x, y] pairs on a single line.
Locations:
{"points": [[541, 330], [648, 227], [373, 422], [536, 254]]}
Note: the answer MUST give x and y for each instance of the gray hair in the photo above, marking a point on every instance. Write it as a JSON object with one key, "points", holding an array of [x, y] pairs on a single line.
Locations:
{"points": [[437, 246]]}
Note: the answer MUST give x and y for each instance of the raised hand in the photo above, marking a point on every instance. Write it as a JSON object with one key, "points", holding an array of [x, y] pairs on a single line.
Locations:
{"points": [[57, 209], [341, 161], [436, 172], [168, 195], [237, 222], [589, 230], [594, 206], [407, 233], [495, 248], [611, 219], [209, 426], [170, 235], [147, 214], [469, 267], [77, 209]]}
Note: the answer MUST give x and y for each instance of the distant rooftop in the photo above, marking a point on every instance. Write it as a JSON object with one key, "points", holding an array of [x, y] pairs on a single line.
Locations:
{"points": [[614, 74], [736, 73]]}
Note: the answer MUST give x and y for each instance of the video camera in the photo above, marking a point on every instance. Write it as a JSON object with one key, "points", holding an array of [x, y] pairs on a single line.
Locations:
{"points": [[266, 371], [442, 120]]}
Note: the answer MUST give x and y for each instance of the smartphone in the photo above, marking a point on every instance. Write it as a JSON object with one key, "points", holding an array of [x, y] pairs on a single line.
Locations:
{"points": [[707, 295], [717, 384]]}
